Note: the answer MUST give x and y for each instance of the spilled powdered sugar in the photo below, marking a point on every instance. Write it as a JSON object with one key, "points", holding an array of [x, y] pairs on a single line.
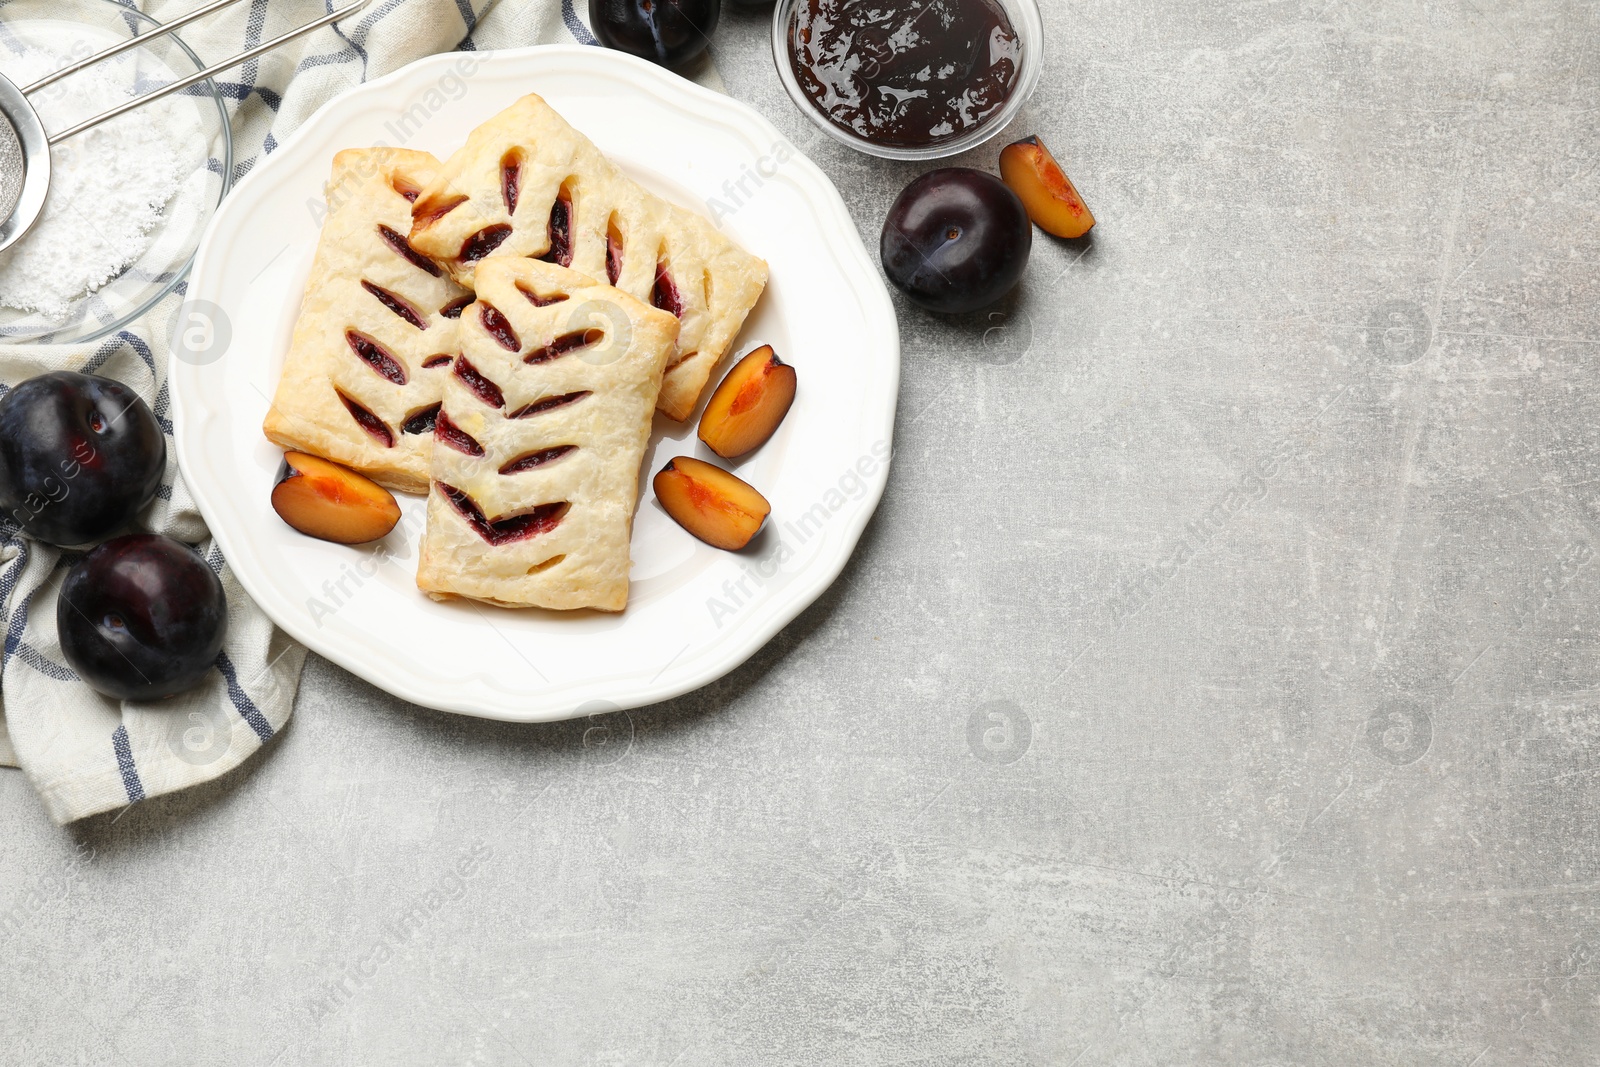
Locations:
{"points": [[108, 186]]}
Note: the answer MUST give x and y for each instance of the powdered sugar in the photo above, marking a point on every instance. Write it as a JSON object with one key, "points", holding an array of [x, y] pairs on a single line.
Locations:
{"points": [[108, 186]]}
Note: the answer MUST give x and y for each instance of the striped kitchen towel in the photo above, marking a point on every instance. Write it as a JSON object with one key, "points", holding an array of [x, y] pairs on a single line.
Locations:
{"points": [[86, 753]]}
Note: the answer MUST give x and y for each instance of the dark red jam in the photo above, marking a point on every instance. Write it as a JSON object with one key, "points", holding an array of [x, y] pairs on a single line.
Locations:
{"points": [[905, 73]]}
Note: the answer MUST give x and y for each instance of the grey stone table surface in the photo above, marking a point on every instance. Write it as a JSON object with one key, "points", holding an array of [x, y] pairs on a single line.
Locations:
{"points": [[1217, 683]]}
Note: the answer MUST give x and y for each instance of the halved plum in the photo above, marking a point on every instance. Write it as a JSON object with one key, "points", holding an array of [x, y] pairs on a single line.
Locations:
{"points": [[719, 508], [749, 405], [1052, 201], [330, 502]]}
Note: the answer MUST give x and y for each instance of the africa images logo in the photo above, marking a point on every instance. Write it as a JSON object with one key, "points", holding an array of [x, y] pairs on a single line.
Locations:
{"points": [[794, 534]]}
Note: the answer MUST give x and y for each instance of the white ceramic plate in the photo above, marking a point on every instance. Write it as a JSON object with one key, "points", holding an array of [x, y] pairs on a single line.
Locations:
{"points": [[695, 612]]}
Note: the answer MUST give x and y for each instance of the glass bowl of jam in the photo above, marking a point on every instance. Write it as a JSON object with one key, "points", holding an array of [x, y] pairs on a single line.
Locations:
{"points": [[909, 79]]}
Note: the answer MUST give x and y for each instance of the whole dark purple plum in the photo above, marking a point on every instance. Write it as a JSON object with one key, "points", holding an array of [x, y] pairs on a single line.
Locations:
{"points": [[668, 32], [956, 240], [141, 617], [80, 457]]}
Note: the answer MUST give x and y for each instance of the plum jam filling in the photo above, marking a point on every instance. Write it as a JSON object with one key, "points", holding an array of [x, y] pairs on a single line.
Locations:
{"points": [[540, 301], [510, 180], [536, 459], [538, 520], [454, 436], [560, 230], [613, 252], [664, 294], [405, 189], [421, 422], [549, 403], [483, 242], [374, 356], [454, 309], [368, 421], [427, 213], [398, 242], [395, 303], [567, 342], [499, 328], [436, 361], [481, 387], [907, 73]]}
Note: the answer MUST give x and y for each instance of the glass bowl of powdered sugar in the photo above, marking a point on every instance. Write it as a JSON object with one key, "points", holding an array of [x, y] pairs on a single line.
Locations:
{"points": [[128, 199]]}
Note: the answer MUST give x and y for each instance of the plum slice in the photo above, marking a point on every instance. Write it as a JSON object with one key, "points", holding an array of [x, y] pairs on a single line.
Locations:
{"points": [[719, 508], [503, 531], [376, 356], [330, 502], [510, 179], [368, 421], [567, 342], [397, 241], [540, 301], [534, 460], [560, 230], [481, 387], [454, 309], [421, 421], [395, 303], [664, 294], [483, 242], [499, 327], [454, 436], [1049, 196], [549, 403], [748, 406]]}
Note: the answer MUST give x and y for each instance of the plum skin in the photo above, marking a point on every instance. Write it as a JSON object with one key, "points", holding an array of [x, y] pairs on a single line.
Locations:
{"points": [[956, 240], [80, 457], [142, 617], [668, 32]]}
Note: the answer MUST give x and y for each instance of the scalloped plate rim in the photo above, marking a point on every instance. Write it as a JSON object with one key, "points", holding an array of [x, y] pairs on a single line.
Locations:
{"points": [[748, 634]]}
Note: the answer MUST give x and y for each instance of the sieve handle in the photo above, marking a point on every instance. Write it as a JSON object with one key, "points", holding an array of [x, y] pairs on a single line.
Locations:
{"points": [[132, 42], [209, 72]]}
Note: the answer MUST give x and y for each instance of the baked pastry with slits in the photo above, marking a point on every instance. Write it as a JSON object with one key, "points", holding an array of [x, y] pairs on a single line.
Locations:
{"points": [[526, 184], [377, 328], [536, 453]]}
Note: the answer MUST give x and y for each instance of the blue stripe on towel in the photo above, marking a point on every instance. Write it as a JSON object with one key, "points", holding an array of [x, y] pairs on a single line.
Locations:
{"points": [[39, 662], [575, 25], [15, 646], [8, 582], [470, 18], [130, 773], [241, 700]]}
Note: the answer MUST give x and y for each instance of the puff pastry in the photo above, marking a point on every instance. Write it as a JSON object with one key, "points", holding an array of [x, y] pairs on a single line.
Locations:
{"points": [[526, 184], [536, 454], [377, 328]]}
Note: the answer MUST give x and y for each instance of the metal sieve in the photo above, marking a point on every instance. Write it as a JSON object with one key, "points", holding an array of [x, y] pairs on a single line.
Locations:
{"points": [[24, 163], [25, 144], [11, 170]]}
